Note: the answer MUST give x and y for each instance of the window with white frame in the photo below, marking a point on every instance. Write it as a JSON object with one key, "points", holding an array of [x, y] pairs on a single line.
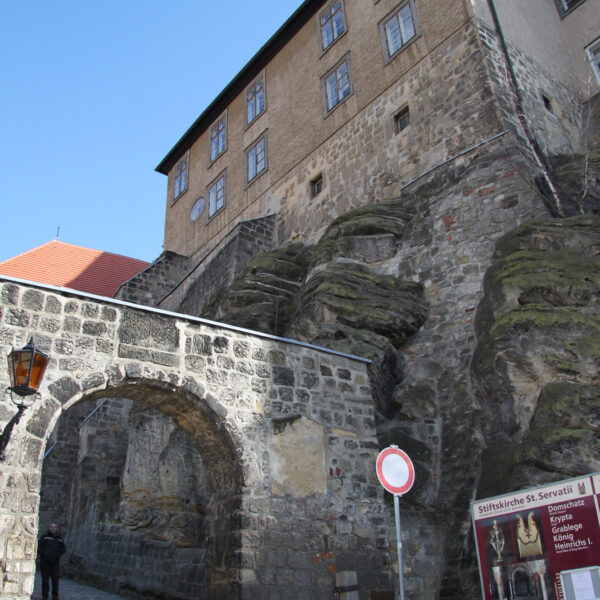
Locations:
{"points": [[337, 84], [593, 52], [398, 29], [180, 177], [566, 6], [332, 23], [216, 194], [256, 158], [255, 99], [218, 138]]}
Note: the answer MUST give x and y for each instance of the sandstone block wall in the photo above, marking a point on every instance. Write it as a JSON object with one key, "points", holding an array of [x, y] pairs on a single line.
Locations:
{"points": [[451, 108], [257, 409], [153, 283], [559, 124], [219, 267]]}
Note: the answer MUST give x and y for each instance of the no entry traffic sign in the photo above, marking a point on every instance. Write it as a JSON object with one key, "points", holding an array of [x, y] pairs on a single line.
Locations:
{"points": [[396, 474], [395, 470]]}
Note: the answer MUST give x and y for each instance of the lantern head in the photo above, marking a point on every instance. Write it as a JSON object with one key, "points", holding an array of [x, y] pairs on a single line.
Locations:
{"points": [[26, 368]]}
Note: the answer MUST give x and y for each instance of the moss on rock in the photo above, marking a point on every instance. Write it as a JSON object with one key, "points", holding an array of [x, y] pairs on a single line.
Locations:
{"points": [[355, 233], [353, 295], [537, 362]]}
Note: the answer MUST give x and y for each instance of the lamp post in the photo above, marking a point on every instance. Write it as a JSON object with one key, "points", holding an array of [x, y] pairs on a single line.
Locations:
{"points": [[26, 368]]}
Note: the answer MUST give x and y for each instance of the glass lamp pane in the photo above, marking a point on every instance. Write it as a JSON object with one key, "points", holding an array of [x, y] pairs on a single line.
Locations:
{"points": [[22, 364], [37, 372], [11, 372]]}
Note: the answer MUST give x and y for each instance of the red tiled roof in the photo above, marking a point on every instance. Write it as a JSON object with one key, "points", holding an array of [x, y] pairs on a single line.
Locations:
{"points": [[65, 265]]}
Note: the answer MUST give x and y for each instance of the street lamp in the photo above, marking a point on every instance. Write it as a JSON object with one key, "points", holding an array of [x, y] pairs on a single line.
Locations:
{"points": [[26, 369]]}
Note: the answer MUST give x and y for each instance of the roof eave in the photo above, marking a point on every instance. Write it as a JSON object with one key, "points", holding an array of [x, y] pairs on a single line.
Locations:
{"points": [[258, 62]]}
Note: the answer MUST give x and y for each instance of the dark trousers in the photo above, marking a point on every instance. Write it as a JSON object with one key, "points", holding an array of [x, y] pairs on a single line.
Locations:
{"points": [[49, 571]]}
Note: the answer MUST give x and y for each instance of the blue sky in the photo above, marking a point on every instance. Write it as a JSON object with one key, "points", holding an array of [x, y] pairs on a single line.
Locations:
{"points": [[93, 95]]}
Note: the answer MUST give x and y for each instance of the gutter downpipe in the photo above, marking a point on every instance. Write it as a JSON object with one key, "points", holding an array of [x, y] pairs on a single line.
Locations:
{"points": [[537, 151]]}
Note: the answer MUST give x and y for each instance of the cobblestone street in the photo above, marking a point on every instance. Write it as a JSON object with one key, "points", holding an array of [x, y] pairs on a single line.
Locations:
{"points": [[73, 590]]}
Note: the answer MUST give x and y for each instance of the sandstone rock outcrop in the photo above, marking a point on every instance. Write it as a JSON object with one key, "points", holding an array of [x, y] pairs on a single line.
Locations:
{"points": [[339, 294], [537, 361], [262, 297]]}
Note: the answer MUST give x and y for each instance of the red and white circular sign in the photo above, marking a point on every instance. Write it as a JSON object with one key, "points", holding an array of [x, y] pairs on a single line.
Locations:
{"points": [[395, 470]]}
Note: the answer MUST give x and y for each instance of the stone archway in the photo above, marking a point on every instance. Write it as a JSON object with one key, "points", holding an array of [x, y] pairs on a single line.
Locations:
{"points": [[286, 432], [134, 520]]}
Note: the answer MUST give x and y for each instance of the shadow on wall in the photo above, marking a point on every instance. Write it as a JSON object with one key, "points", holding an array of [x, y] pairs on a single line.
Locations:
{"points": [[132, 494]]}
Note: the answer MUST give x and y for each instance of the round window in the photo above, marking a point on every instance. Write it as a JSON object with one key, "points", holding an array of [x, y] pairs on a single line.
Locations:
{"points": [[197, 209]]}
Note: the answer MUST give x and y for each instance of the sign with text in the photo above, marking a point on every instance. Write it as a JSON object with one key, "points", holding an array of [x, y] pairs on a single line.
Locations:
{"points": [[526, 539]]}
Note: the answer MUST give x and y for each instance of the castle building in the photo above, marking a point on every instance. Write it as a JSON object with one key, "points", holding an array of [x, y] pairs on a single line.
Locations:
{"points": [[350, 101], [383, 231]]}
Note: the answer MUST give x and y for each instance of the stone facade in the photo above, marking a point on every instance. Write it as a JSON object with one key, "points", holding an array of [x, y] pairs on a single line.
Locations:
{"points": [[220, 265], [423, 389], [301, 139], [452, 77], [151, 285], [248, 403]]}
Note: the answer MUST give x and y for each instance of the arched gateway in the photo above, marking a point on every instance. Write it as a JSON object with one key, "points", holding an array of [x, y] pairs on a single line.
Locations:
{"points": [[285, 431]]}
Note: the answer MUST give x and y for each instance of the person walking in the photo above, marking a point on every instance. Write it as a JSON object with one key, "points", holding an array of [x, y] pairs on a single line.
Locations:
{"points": [[50, 548]]}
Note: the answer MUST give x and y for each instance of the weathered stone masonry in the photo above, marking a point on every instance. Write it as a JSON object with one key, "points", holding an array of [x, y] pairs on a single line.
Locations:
{"points": [[281, 516]]}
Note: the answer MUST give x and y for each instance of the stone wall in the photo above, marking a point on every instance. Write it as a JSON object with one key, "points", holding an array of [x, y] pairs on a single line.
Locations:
{"points": [[135, 516], [558, 126], [219, 267], [285, 431], [439, 235], [62, 448], [440, 232], [151, 285], [451, 108]]}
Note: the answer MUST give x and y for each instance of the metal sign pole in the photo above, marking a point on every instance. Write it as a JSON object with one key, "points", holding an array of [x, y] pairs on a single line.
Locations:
{"points": [[396, 473], [399, 541]]}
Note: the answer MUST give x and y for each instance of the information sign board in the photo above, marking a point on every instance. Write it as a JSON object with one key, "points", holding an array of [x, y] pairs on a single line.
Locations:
{"points": [[526, 539]]}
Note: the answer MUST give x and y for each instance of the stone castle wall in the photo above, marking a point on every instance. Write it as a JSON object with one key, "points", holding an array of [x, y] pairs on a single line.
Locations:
{"points": [[445, 227], [558, 127], [286, 434], [218, 268], [153, 283], [451, 109], [299, 133]]}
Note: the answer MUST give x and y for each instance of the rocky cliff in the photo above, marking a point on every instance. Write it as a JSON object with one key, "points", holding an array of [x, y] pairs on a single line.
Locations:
{"points": [[533, 382]]}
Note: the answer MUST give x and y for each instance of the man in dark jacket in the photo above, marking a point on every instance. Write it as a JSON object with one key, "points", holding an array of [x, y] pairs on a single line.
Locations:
{"points": [[50, 548]]}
